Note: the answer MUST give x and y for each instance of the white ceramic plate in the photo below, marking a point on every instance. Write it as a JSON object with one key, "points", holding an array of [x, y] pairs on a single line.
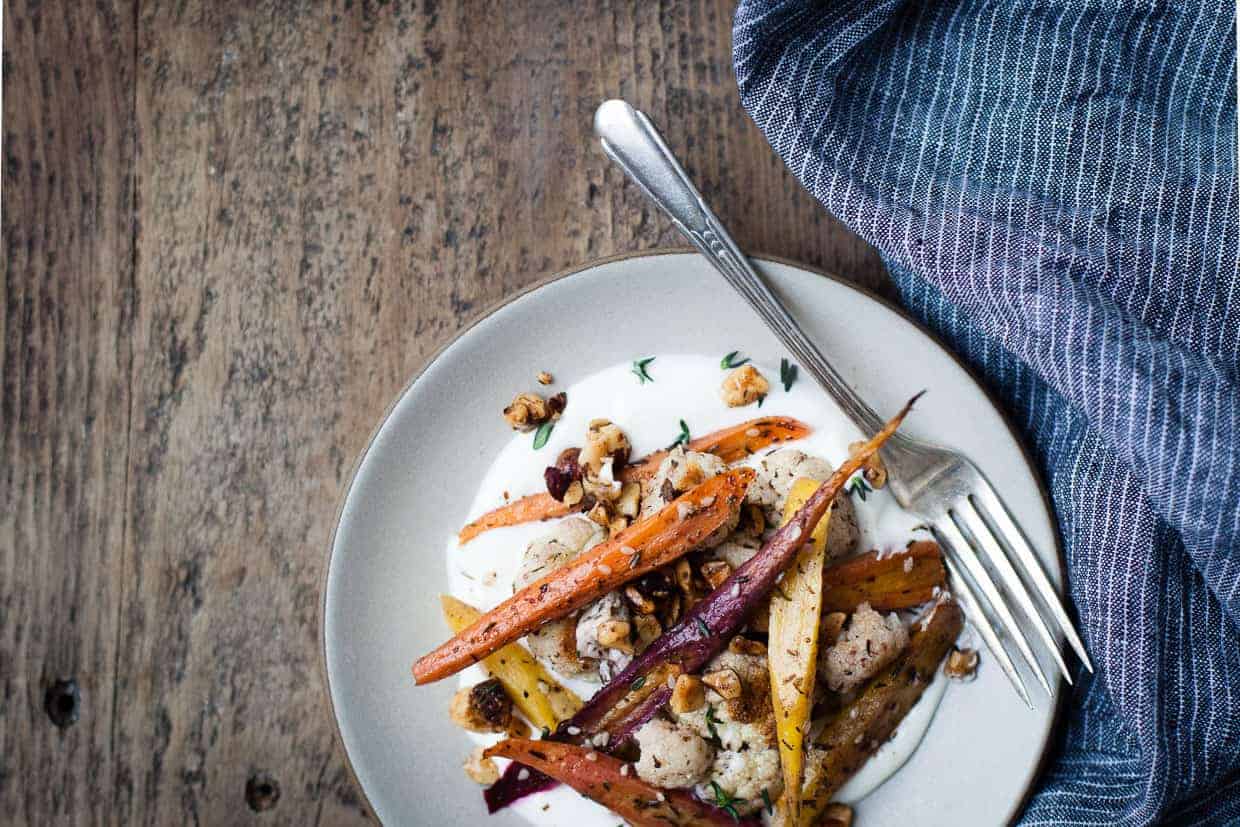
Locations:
{"points": [[417, 478]]}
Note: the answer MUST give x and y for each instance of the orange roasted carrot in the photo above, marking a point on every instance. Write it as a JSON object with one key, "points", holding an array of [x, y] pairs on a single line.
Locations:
{"points": [[887, 583], [525, 510], [644, 546], [729, 444], [604, 779]]}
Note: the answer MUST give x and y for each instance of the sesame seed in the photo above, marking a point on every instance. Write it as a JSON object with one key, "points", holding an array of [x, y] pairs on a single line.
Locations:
{"points": [[574, 730], [604, 568], [591, 756], [523, 775], [624, 769]]}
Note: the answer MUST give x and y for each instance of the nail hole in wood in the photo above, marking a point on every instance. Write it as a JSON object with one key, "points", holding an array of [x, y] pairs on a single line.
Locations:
{"points": [[63, 703], [261, 792]]}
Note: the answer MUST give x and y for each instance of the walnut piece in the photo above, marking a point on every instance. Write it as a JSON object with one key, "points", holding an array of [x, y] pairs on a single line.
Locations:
{"points": [[529, 410], [629, 500], [481, 770], [744, 386], [545, 378], [648, 629], [725, 682], [961, 663], [715, 572], [614, 634], [745, 646], [644, 605], [688, 694], [604, 439], [484, 707], [830, 628]]}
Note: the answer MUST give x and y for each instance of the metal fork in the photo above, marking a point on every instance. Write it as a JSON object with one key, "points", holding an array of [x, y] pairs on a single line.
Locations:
{"points": [[942, 487]]}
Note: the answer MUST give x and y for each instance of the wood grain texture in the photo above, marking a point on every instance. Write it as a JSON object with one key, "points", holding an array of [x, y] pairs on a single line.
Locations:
{"points": [[232, 231]]}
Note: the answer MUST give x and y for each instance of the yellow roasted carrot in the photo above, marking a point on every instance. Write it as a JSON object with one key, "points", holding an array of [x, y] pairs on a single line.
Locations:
{"points": [[538, 695], [793, 649]]}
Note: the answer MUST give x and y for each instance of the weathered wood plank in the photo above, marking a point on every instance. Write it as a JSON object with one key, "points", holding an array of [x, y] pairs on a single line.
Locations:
{"points": [[325, 192], [65, 358]]}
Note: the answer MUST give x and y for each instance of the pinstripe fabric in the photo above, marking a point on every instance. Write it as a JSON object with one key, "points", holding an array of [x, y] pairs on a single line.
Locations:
{"points": [[1054, 188]]}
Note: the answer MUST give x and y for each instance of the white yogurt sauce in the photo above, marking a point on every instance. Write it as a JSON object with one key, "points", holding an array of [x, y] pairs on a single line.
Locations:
{"points": [[684, 387]]}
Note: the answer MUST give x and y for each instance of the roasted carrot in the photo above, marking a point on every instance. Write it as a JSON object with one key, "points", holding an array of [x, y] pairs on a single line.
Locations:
{"points": [[525, 510], [886, 583], [792, 653], [729, 444], [532, 688], [604, 779], [646, 545], [850, 737]]}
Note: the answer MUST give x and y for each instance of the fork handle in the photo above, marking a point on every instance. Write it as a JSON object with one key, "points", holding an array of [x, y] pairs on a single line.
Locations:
{"points": [[630, 139]]}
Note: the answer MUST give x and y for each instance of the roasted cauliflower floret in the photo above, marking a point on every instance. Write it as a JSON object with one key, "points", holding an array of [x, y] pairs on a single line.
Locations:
{"points": [[744, 386], [679, 471], [744, 775], [776, 474], [869, 643], [736, 550], [672, 756], [598, 637], [556, 642], [745, 721]]}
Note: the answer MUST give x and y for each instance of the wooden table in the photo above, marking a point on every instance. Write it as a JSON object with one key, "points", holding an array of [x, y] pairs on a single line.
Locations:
{"points": [[232, 230]]}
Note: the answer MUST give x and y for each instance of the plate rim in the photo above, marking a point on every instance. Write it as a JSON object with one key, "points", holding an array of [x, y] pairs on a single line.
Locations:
{"points": [[1057, 714]]}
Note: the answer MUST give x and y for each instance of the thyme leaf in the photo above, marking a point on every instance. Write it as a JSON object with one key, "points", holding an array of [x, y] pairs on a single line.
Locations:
{"points": [[726, 801], [787, 374], [543, 434], [860, 487], [639, 369], [683, 439], [730, 361]]}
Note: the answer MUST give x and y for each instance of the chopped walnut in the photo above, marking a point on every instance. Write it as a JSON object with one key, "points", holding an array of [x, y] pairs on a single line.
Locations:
{"points": [[688, 694], [614, 634], [837, 815], [744, 386], [961, 664], [643, 604], [604, 439], [874, 471], [545, 378], [715, 572], [684, 576], [629, 500], [757, 518], [481, 770], [648, 630], [527, 411], [484, 707], [830, 628], [600, 514], [745, 646], [617, 525], [725, 682], [574, 493]]}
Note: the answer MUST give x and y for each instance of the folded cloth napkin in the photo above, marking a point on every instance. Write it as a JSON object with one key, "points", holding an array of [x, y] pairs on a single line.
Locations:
{"points": [[1053, 186]]}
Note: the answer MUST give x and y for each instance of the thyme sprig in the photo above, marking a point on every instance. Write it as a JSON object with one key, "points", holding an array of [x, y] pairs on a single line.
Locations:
{"points": [[639, 369], [787, 374], [728, 362]]}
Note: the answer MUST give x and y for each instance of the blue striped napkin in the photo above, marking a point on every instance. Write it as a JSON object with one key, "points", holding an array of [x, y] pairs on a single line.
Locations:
{"points": [[1053, 187]]}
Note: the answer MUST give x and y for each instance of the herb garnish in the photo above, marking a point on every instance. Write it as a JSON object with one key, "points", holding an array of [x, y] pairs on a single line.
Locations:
{"points": [[702, 625], [761, 399], [729, 361], [726, 802], [638, 684], [543, 434], [683, 439], [787, 374], [711, 720], [546, 732], [860, 487], [766, 799], [639, 369]]}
